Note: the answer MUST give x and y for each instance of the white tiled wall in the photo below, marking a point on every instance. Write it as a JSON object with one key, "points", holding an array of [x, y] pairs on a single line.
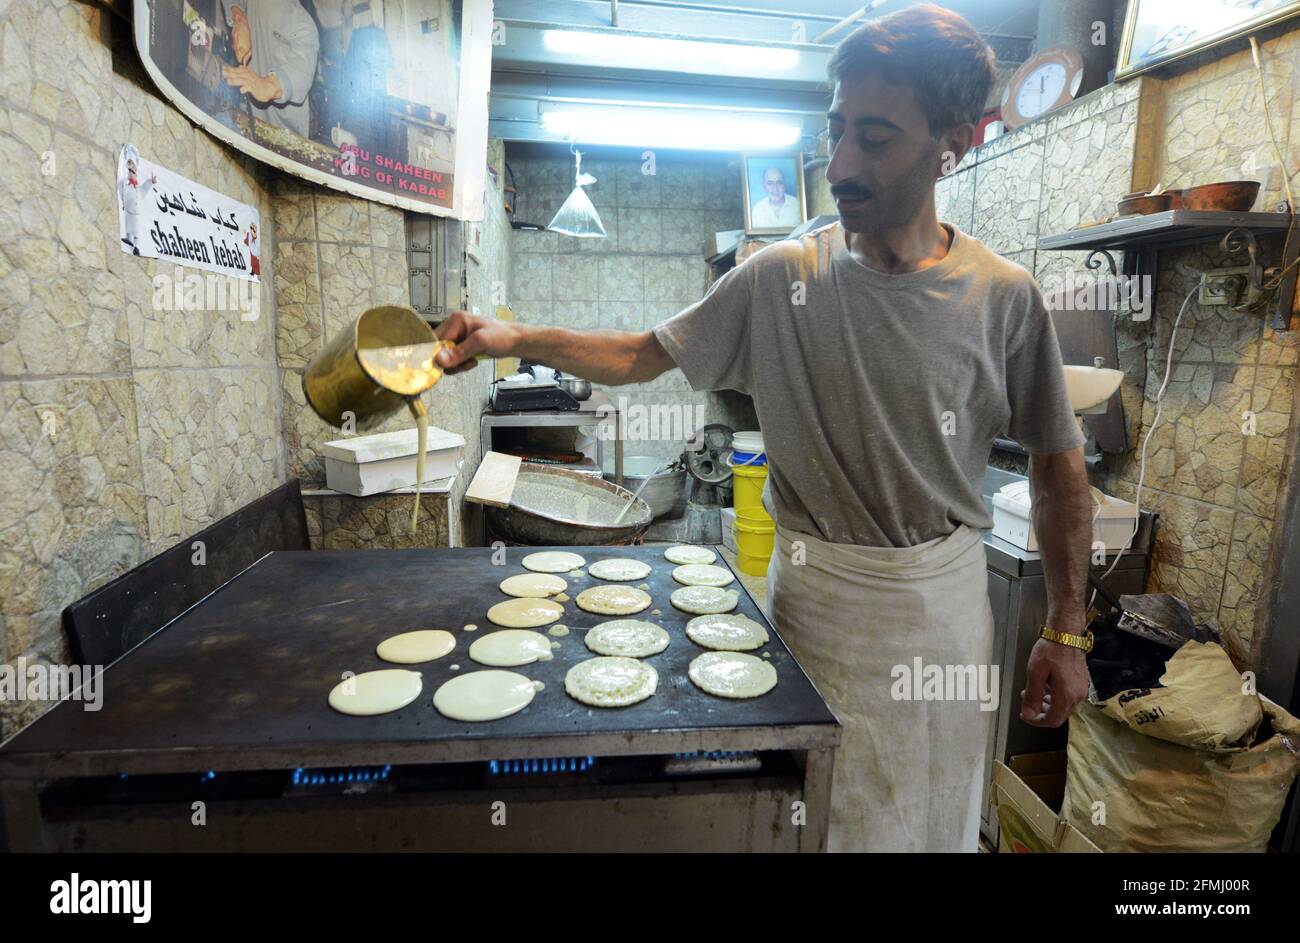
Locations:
{"points": [[650, 267]]}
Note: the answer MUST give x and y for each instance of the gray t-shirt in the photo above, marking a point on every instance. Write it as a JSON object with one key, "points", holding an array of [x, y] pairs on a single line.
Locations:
{"points": [[879, 396]]}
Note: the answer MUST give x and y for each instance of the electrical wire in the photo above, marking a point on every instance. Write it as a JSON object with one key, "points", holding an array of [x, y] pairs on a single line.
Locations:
{"points": [[1281, 159], [1155, 423]]}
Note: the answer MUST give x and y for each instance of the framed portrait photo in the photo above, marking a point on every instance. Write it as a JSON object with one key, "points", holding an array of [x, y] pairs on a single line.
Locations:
{"points": [[774, 197], [1157, 32]]}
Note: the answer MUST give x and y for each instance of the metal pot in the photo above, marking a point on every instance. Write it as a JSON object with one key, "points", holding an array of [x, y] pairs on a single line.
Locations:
{"points": [[665, 491], [353, 377], [1143, 204], [576, 387], [1235, 196], [531, 528]]}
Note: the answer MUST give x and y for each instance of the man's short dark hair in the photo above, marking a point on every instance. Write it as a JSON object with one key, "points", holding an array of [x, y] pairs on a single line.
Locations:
{"points": [[931, 50]]}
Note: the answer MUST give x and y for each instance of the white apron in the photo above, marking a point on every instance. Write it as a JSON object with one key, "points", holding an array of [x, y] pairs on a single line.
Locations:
{"points": [[908, 773]]}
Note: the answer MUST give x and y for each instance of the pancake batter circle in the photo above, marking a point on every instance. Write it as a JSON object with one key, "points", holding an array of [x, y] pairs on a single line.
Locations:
{"points": [[376, 692], [704, 600], [688, 554], [411, 648], [629, 638], [613, 600], [533, 585], [732, 675], [484, 695], [510, 648], [610, 682], [727, 632], [619, 570], [525, 613], [702, 574], [553, 561]]}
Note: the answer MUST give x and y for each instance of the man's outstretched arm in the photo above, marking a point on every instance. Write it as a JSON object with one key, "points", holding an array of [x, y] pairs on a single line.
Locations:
{"points": [[606, 357]]}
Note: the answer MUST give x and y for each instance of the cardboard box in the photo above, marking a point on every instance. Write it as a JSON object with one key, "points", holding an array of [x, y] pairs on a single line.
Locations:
{"points": [[1028, 796]]}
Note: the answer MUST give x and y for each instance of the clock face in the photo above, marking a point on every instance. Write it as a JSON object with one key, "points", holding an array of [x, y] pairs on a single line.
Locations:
{"points": [[1041, 89]]}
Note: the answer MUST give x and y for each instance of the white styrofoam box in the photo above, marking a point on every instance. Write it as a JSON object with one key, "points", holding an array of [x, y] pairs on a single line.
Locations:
{"points": [[1112, 522], [372, 464], [729, 529]]}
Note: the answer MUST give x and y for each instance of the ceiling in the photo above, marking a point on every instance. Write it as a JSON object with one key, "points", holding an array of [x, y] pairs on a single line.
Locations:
{"points": [[766, 58], [1013, 17]]}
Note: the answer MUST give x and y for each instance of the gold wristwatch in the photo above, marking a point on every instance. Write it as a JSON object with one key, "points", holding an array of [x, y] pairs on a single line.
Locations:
{"points": [[1064, 638]]}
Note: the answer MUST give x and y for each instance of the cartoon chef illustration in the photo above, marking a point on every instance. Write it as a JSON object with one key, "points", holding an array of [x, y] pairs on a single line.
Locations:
{"points": [[133, 192], [250, 240]]}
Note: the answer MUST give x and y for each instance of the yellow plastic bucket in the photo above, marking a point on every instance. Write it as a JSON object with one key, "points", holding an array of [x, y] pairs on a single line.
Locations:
{"points": [[747, 486], [755, 535]]}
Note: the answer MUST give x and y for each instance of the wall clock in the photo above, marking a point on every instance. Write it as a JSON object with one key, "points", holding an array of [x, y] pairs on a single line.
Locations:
{"points": [[1047, 81]]}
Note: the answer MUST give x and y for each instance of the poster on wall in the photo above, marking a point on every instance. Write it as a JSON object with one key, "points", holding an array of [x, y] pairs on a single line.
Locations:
{"points": [[162, 215], [383, 99], [1160, 31]]}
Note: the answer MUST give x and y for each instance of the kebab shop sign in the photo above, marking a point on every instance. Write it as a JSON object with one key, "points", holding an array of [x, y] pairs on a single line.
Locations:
{"points": [[356, 161], [163, 215]]}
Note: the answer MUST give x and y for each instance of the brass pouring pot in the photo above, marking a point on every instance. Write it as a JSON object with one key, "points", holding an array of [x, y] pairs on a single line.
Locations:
{"points": [[380, 363]]}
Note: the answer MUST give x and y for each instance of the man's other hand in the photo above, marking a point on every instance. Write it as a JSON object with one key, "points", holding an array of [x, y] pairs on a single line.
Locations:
{"points": [[1057, 681]]}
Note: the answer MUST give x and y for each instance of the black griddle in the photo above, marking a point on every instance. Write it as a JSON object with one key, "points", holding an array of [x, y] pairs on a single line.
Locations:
{"points": [[240, 681]]}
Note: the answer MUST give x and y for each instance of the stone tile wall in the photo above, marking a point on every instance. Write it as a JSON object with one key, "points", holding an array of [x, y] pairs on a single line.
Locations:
{"points": [[124, 426]]}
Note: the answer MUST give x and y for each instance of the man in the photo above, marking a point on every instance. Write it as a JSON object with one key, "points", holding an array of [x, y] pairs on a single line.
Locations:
{"points": [[132, 191], [884, 354], [774, 211], [276, 44]]}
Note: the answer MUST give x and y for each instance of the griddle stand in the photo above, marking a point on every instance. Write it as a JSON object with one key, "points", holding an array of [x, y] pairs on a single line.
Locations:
{"points": [[141, 732]]}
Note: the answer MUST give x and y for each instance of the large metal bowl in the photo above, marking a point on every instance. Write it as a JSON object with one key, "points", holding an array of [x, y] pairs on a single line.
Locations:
{"points": [[522, 525], [664, 491]]}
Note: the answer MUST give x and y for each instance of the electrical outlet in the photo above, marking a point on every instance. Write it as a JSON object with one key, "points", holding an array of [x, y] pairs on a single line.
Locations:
{"points": [[1227, 286]]}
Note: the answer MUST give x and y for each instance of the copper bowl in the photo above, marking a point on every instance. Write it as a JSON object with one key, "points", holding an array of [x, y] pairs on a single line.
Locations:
{"points": [[1234, 196], [1141, 204]]}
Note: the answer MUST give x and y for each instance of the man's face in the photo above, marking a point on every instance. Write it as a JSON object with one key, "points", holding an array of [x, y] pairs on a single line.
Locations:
{"points": [[883, 159], [774, 184]]}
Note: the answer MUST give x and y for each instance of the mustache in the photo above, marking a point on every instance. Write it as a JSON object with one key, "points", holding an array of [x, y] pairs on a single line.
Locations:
{"points": [[849, 191]]}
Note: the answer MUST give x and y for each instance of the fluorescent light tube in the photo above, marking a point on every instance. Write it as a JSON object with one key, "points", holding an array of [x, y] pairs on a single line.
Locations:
{"points": [[630, 51], [692, 129]]}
